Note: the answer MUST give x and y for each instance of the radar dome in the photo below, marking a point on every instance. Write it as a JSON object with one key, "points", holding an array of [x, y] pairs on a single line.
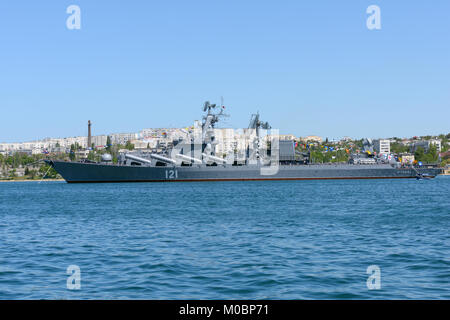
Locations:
{"points": [[106, 157]]}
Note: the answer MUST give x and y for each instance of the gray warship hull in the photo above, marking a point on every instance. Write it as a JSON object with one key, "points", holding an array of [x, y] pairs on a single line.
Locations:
{"points": [[78, 172]]}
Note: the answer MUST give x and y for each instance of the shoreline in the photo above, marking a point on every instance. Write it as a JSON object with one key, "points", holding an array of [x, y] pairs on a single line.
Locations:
{"points": [[29, 180]]}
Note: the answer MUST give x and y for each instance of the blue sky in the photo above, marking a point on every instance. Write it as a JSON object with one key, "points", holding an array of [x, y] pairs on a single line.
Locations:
{"points": [[308, 67]]}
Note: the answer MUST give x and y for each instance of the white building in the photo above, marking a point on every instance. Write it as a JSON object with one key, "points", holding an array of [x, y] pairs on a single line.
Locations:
{"points": [[382, 146], [230, 141], [122, 138], [226, 140], [140, 144], [99, 141], [311, 138], [287, 137], [163, 133], [425, 144], [38, 146]]}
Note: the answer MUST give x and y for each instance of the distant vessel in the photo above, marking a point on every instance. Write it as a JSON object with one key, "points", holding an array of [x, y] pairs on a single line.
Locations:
{"points": [[194, 159], [422, 176]]}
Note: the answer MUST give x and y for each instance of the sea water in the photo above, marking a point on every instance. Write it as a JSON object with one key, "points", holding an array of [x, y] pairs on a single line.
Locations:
{"points": [[226, 240]]}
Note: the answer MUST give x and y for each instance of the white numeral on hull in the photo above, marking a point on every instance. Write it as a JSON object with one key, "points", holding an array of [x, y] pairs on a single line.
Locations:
{"points": [[171, 174]]}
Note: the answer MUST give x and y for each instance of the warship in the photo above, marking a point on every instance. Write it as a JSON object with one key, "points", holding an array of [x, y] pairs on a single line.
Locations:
{"points": [[264, 157]]}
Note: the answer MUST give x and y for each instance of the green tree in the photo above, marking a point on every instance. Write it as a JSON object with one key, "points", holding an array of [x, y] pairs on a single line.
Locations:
{"points": [[432, 155], [72, 152], [129, 145], [51, 173], [397, 147], [91, 156], [341, 156], [32, 174], [419, 154], [317, 156], [108, 144], [327, 157], [359, 144]]}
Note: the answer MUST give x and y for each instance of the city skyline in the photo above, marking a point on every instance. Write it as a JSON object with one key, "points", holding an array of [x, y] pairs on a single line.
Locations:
{"points": [[308, 68], [140, 136], [150, 134]]}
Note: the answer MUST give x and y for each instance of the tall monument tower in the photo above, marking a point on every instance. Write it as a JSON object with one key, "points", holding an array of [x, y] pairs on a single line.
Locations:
{"points": [[89, 135]]}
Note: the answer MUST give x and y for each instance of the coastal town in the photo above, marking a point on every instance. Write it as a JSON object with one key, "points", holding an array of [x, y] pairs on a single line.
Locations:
{"points": [[21, 161]]}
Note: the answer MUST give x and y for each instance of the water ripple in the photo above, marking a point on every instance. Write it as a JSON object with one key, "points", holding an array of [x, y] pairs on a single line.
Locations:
{"points": [[232, 240]]}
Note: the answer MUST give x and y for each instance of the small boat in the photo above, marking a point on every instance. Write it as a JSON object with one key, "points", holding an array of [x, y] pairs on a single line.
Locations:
{"points": [[421, 176]]}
